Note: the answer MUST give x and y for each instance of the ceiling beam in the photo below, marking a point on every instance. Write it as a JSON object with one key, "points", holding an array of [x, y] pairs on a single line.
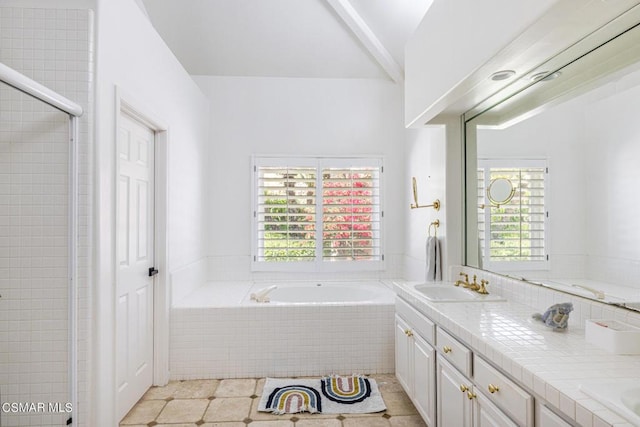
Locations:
{"points": [[361, 30]]}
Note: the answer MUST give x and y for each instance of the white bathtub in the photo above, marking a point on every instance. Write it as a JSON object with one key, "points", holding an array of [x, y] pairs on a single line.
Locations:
{"points": [[305, 330], [324, 293]]}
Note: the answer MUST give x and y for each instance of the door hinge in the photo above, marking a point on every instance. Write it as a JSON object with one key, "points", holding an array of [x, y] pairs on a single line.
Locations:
{"points": [[152, 271]]}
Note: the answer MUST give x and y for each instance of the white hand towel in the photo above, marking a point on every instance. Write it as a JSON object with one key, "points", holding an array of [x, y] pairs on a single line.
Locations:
{"points": [[431, 259], [434, 263], [438, 261]]}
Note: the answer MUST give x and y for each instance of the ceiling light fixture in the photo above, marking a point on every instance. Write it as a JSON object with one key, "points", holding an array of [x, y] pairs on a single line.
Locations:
{"points": [[502, 75], [545, 76]]}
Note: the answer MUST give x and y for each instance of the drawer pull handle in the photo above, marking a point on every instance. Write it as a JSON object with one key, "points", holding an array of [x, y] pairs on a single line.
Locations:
{"points": [[471, 395], [463, 388], [493, 388], [447, 349], [408, 333]]}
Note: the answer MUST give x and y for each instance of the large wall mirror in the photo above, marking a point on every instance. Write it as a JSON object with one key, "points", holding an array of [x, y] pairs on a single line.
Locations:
{"points": [[553, 175]]}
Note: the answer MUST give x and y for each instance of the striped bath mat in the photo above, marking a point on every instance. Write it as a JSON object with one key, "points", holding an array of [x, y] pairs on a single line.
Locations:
{"points": [[330, 395]]}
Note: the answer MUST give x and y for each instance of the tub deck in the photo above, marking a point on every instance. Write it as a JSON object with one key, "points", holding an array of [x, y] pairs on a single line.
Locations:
{"points": [[236, 294]]}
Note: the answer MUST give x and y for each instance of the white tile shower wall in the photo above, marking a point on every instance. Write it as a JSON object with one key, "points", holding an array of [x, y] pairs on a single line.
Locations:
{"points": [[238, 268], [240, 342], [53, 47], [541, 298]]}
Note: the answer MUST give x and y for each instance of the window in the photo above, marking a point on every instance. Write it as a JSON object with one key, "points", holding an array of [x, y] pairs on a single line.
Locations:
{"points": [[314, 214], [513, 235]]}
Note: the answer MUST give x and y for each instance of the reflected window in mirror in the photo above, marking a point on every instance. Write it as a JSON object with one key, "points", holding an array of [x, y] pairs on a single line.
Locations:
{"points": [[512, 215]]}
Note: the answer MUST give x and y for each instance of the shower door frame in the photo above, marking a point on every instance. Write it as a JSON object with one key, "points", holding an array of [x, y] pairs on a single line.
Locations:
{"points": [[42, 93]]}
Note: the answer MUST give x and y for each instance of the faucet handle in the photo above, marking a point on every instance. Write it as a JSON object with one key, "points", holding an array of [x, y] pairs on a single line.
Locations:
{"points": [[483, 287]]}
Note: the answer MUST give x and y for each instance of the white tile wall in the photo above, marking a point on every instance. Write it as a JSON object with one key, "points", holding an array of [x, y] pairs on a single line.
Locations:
{"points": [[234, 268], [281, 341], [52, 47], [541, 298]]}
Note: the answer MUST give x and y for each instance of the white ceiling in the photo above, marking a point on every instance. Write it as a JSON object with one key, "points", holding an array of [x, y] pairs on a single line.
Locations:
{"points": [[288, 38]]}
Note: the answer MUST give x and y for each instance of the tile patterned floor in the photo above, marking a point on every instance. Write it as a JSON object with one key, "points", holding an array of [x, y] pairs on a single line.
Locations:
{"points": [[233, 403]]}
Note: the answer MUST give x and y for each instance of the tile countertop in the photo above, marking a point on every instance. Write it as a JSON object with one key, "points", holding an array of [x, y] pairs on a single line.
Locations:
{"points": [[550, 364]]}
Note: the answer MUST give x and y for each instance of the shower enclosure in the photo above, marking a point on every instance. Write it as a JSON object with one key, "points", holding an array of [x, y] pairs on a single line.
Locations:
{"points": [[38, 241]]}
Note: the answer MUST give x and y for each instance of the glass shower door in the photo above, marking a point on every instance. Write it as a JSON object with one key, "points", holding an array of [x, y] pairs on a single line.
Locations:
{"points": [[34, 262]]}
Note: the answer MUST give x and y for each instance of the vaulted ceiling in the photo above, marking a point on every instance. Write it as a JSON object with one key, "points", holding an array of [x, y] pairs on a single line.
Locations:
{"points": [[289, 38]]}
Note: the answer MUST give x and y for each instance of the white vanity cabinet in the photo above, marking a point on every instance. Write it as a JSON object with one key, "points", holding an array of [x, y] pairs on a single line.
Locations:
{"points": [[454, 407], [503, 392], [415, 359], [449, 384], [459, 403], [547, 418]]}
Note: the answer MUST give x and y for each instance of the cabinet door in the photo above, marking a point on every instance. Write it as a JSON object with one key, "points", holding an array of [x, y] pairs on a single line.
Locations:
{"points": [[486, 414], [424, 386], [454, 408], [546, 418], [404, 356]]}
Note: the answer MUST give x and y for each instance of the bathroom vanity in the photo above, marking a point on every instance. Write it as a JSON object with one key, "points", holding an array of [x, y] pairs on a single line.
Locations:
{"points": [[488, 363]]}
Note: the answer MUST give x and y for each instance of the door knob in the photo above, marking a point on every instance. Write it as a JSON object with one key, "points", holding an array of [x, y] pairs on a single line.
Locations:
{"points": [[152, 271]]}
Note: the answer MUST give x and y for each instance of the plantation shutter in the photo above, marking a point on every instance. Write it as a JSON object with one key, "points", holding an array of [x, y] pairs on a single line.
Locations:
{"points": [[317, 214], [286, 213], [351, 214], [515, 231]]}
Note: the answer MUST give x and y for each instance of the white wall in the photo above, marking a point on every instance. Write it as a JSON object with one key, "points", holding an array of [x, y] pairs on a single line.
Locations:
{"points": [[131, 56], [425, 159], [288, 116]]}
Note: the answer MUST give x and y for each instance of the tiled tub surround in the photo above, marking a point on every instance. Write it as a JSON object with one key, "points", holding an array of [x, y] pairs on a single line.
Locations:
{"points": [[550, 365], [217, 332]]}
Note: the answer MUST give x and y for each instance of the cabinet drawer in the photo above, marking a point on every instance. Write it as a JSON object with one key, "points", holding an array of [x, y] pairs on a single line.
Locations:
{"points": [[454, 351], [417, 321], [507, 395]]}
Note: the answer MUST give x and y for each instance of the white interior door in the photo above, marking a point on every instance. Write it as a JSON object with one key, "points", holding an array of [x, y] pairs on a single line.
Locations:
{"points": [[135, 243]]}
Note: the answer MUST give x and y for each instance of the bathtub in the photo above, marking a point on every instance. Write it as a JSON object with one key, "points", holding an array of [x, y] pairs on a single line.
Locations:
{"points": [[306, 329], [324, 293]]}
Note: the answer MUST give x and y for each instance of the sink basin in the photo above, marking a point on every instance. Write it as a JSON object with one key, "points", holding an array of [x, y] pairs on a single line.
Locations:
{"points": [[622, 397], [450, 293]]}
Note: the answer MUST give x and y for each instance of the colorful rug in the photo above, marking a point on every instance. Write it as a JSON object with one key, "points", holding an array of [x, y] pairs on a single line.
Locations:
{"points": [[329, 395]]}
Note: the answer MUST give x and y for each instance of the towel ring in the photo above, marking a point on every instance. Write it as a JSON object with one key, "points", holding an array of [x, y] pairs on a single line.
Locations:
{"points": [[435, 224]]}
